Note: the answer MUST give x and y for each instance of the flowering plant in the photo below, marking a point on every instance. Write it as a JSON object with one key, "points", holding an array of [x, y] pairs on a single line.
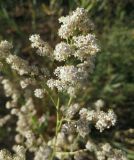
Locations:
{"points": [[57, 79]]}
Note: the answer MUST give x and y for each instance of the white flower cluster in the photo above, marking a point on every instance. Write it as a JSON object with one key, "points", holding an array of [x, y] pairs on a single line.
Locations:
{"points": [[25, 82], [72, 110], [20, 154], [39, 93], [105, 120], [105, 151], [8, 87], [81, 123], [18, 64], [86, 46], [63, 51], [67, 74], [101, 119], [74, 60], [44, 152], [69, 78], [4, 120], [24, 113], [24, 123], [5, 47], [43, 48], [99, 104], [77, 20], [10, 91], [81, 48]]}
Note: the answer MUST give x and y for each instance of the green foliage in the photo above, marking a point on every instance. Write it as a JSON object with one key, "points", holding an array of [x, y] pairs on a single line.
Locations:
{"points": [[114, 70]]}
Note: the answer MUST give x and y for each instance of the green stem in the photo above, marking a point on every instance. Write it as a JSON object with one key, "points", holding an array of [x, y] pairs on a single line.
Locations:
{"points": [[72, 153], [50, 96], [56, 130], [70, 100], [58, 122]]}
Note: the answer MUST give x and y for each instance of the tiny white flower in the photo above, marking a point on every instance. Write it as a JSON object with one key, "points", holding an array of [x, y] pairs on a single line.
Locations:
{"points": [[39, 93]]}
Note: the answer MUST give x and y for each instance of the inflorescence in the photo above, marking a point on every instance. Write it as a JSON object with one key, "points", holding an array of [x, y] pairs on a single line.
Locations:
{"points": [[71, 63]]}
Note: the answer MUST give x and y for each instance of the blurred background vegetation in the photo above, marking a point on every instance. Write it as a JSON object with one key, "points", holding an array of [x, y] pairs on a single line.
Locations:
{"points": [[114, 73]]}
